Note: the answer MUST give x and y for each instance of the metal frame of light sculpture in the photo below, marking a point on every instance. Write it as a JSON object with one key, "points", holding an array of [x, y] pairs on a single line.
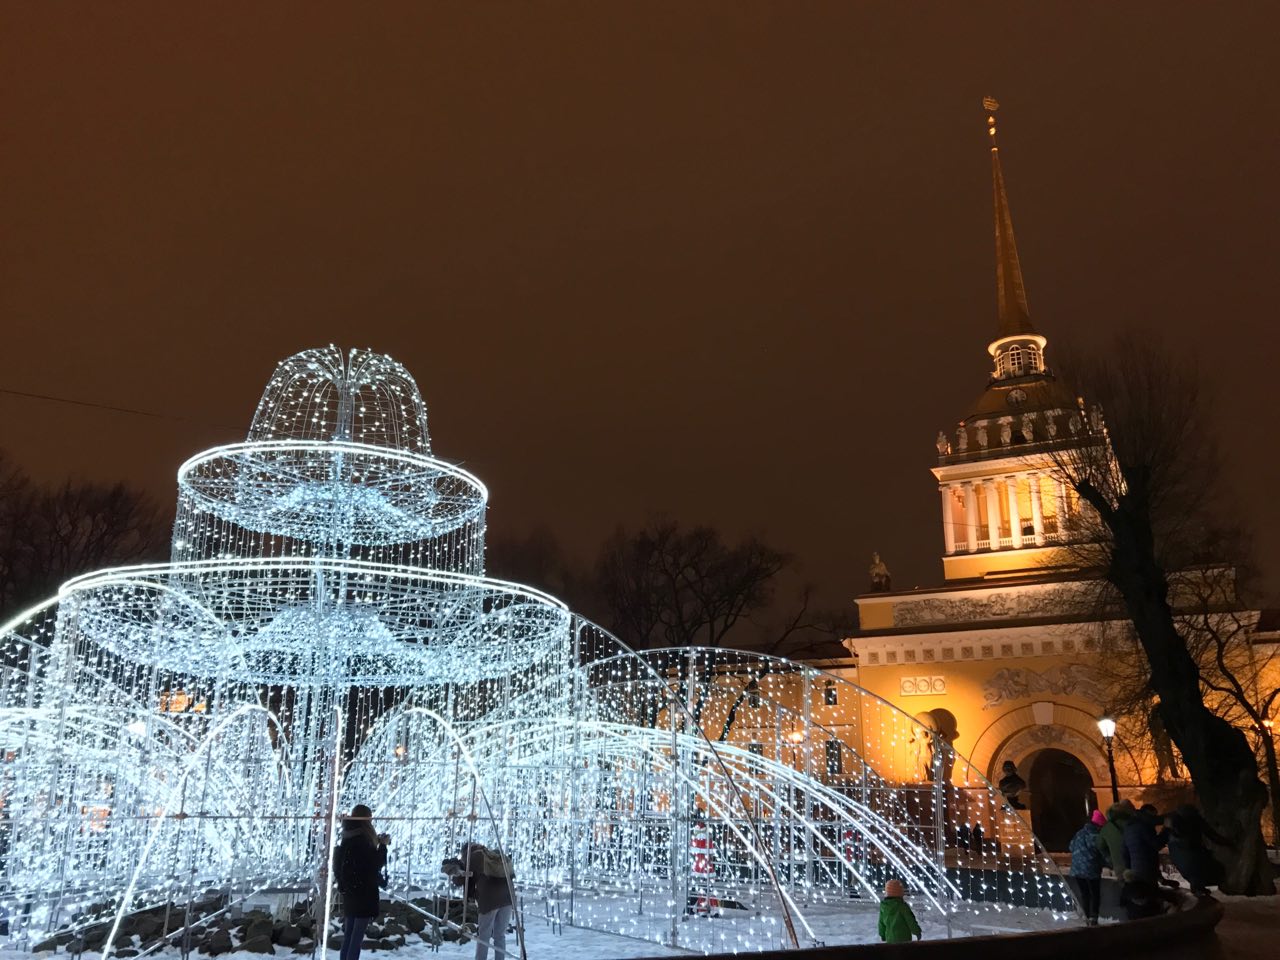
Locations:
{"points": [[324, 635]]}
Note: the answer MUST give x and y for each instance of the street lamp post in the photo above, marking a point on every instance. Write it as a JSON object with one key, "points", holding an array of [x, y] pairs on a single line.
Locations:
{"points": [[1107, 727]]}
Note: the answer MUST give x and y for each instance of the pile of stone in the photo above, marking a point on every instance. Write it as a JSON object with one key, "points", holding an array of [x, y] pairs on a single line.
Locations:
{"points": [[399, 921], [137, 931], [257, 931]]}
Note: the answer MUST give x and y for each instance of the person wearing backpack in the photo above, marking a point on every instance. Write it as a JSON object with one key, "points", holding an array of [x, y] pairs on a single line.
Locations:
{"points": [[1087, 861], [488, 879], [357, 866]]}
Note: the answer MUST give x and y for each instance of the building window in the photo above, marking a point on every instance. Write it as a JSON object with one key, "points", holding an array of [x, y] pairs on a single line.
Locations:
{"points": [[753, 695], [1033, 358], [756, 748], [835, 763], [1016, 361], [830, 696]]}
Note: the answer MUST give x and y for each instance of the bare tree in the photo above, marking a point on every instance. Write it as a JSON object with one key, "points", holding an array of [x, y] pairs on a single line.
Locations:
{"points": [[669, 586], [538, 559], [683, 587], [1240, 678], [50, 534], [1147, 475]]}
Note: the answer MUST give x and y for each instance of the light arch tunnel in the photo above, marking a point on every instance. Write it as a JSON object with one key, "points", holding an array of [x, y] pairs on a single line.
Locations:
{"points": [[599, 797]]}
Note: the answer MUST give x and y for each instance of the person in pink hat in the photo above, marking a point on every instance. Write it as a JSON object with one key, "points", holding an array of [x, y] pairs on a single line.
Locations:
{"points": [[897, 922], [1087, 861]]}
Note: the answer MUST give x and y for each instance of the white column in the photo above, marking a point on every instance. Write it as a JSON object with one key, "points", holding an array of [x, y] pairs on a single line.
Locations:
{"points": [[971, 516], [1015, 518], [993, 514], [1037, 510], [948, 519], [1060, 495]]}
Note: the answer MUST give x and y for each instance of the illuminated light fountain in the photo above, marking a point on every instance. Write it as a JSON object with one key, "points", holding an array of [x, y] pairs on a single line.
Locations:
{"points": [[324, 635]]}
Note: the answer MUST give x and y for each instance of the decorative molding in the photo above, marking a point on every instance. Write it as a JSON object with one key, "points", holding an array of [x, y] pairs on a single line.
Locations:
{"points": [[935, 648], [922, 686], [1063, 680]]}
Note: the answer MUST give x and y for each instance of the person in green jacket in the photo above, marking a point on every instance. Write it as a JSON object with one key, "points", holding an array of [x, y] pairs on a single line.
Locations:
{"points": [[1110, 839], [897, 922]]}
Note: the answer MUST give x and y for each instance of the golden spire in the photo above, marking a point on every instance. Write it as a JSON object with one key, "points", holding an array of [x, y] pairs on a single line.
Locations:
{"points": [[1013, 314]]}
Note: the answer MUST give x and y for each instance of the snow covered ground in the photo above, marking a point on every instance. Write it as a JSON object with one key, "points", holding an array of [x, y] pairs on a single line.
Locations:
{"points": [[848, 922]]}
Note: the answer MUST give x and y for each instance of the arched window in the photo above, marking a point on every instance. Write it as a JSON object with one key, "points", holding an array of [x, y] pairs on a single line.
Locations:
{"points": [[1033, 358], [1017, 361]]}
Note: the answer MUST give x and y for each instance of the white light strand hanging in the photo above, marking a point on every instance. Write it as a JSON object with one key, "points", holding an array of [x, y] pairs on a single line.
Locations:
{"points": [[324, 635]]}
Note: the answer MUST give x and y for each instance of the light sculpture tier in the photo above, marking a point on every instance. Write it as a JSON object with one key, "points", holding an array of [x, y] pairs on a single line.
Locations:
{"points": [[324, 635]]}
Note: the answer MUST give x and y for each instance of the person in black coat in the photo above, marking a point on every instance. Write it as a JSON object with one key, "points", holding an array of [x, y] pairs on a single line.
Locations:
{"points": [[1187, 830], [357, 867], [1142, 845]]}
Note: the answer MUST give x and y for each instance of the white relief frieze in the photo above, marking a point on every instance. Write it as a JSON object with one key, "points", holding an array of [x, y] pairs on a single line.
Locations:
{"points": [[1064, 680], [994, 605]]}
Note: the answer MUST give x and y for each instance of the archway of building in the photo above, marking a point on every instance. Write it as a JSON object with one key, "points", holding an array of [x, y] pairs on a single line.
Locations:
{"points": [[1022, 731], [1062, 796]]}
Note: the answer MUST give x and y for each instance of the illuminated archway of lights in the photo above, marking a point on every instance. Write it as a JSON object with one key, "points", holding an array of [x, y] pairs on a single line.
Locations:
{"points": [[324, 635]]}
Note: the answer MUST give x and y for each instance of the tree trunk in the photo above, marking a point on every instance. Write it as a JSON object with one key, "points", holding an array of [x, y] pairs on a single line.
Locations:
{"points": [[1273, 779], [1223, 767]]}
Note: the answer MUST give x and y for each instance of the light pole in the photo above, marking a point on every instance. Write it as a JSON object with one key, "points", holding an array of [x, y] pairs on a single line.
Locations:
{"points": [[1107, 727]]}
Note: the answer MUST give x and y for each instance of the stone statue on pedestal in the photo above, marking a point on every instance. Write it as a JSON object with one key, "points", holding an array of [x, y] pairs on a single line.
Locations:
{"points": [[881, 579]]}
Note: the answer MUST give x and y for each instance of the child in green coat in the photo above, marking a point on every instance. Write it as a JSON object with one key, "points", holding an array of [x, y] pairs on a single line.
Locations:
{"points": [[897, 922]]}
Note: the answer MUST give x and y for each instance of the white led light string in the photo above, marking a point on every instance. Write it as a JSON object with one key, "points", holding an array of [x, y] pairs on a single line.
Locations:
{"points": [[325, 598]]}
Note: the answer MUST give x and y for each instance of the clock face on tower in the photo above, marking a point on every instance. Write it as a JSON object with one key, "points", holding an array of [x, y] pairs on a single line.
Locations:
{"points": [[1017, 397]]}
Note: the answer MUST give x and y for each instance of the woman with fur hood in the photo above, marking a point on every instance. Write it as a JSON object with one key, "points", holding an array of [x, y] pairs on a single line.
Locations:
{"points": [[357, 867]]}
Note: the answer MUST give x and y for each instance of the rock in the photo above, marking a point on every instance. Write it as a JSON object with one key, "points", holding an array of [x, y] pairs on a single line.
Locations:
{"points": [[394, 929], [373, 932], [335, 941], [306, 946], [219, 941], [259, 944], [288, 936], [126, 952], [46, 946], [148, 926], [95, 937], [259, 928], [415, 922], [75, 946]]}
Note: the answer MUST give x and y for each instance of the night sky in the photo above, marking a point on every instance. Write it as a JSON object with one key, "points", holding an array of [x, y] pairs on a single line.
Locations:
{"points": [[729, 261]]}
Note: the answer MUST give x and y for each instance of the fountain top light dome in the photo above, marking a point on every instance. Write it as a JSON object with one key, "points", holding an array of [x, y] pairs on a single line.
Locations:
{"points": [[360, 397], [338, 458]]}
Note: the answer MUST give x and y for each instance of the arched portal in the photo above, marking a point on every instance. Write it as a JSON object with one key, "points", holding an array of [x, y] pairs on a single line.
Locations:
{"points": [[1061, 796]]}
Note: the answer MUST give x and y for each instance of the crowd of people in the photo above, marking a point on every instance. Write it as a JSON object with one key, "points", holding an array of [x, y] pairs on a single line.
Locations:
{"points": [[1127, 841]]}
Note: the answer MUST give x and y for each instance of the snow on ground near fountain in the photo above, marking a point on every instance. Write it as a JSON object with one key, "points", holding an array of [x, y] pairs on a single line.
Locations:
{"points": [[853, 922]]}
